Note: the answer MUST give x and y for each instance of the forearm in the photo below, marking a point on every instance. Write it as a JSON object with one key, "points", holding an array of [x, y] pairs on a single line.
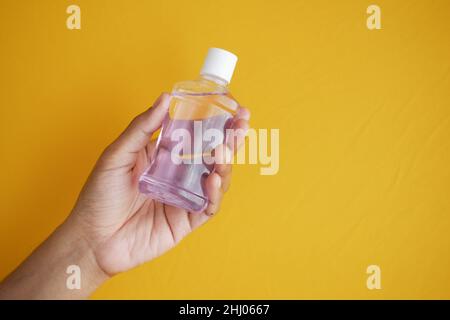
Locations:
{"points": [[44, 275]]}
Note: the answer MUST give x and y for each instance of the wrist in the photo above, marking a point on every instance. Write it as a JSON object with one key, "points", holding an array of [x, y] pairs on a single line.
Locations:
{"points": [[84, 252], [44, 274]]}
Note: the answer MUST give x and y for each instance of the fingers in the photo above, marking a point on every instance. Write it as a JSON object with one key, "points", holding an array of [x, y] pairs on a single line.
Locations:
{"points": [[143, 158], [150, 149], [137, 135], [222, 167], [219, 180], [178, 221], [214, 192], [236, 137], [213, 189], [124, 151], [243, 113]]}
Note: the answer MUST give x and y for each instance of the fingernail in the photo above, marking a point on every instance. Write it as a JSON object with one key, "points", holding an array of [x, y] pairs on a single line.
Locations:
{"points": [[166, 100], [244, 114], [162, 100], [209, 214]]}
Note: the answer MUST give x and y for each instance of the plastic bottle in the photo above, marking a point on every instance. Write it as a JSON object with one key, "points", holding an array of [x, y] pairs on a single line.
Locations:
{"points": [[177, 173]]}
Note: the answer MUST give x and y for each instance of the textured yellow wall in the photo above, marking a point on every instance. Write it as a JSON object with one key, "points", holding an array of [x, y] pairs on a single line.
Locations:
{"points": [[364, 139]]}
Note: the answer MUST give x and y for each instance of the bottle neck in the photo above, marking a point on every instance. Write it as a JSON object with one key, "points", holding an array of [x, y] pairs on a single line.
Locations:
{"points": [[214, 79]]}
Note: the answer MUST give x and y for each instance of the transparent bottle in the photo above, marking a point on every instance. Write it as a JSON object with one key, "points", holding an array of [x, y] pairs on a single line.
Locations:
{"points": [[180, 165]]}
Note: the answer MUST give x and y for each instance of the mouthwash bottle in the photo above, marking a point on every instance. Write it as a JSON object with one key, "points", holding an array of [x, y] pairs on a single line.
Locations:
{"points": [[199, 114]]}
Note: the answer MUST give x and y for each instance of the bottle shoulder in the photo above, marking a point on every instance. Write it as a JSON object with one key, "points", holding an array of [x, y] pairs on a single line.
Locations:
{"points": [[204, 92], [199, 86]]}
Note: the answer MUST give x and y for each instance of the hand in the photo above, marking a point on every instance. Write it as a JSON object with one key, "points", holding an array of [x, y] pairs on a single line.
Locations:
{"points": [[113, 227], [125, 228]]}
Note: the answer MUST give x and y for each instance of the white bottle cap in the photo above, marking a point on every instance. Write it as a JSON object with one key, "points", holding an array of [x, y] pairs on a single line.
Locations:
{"points": [[219, 63]]}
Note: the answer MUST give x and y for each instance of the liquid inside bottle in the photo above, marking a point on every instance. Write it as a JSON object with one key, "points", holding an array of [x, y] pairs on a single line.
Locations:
{"points": [[199, 114]]}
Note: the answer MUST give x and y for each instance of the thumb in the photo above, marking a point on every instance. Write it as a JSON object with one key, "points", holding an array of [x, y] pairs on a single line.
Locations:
{"points": [[124, 150], [138, 133]]}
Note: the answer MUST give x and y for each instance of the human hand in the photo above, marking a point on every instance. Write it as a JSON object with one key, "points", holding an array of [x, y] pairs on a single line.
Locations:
{"points": [[112, 227], [125, 228]]}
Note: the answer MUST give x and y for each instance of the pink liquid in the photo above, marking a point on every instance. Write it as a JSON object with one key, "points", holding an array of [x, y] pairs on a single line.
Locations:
{"points": [[182, 185]]}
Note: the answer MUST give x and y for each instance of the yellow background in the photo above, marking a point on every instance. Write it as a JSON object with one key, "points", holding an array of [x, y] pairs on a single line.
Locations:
{"points": [[364, 139]]}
